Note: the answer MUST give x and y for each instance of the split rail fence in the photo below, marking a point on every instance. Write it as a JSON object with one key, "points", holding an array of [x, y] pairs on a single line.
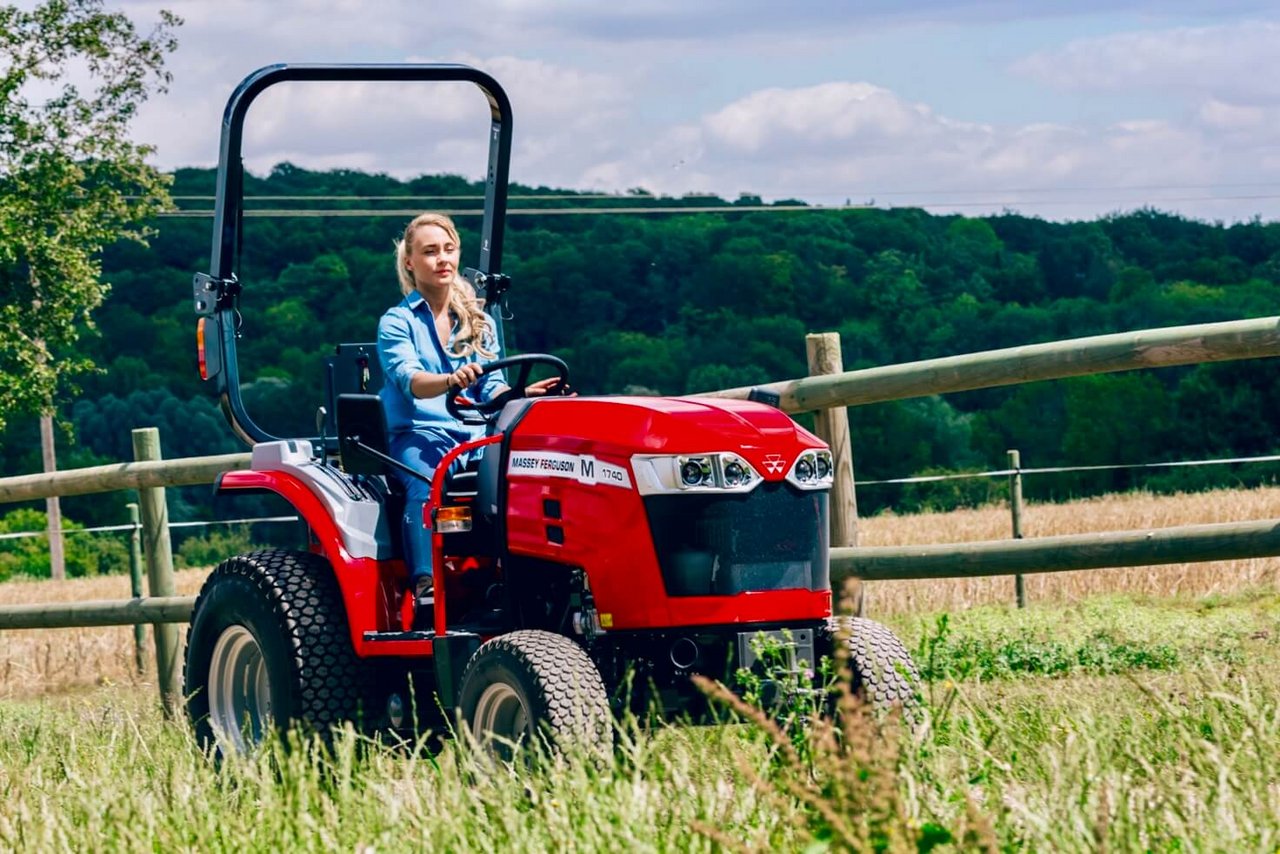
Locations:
{"points": [[827, 391]]}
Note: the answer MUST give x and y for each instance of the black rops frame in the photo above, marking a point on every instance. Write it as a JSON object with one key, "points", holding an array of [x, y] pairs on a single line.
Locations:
{"points": [[217, 292]]}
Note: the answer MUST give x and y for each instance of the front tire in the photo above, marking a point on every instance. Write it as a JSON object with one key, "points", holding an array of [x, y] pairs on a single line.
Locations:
{"points": [[531, 684], [883, 674], [269, 649]]}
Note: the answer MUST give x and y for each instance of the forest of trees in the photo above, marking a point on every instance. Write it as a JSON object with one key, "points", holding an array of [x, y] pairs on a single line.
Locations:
{"points": [[679, 303]]}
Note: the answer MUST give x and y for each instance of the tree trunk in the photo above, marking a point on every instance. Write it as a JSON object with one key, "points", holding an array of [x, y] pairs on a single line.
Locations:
{"points": [[57, 560]]}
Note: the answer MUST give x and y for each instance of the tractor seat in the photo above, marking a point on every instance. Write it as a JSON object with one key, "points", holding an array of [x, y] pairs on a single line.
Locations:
{"points": [[361, 422]]}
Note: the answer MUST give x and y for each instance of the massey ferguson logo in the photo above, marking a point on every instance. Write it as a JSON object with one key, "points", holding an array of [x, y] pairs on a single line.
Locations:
{"points": [[773, 463]]}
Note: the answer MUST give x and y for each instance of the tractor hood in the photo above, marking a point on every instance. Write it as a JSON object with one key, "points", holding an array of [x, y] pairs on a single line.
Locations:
{"points": [[620, 427]]}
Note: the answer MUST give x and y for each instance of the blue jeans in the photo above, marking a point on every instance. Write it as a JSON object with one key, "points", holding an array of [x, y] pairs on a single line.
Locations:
{"points": [[423, 453]]}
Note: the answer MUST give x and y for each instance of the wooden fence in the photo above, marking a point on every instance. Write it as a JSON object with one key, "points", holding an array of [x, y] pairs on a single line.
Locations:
{"points": [[161, 608], [827, 391], [1125, 351]]}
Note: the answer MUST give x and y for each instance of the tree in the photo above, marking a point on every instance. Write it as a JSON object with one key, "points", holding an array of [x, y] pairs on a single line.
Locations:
{"points": [[71, 180]]}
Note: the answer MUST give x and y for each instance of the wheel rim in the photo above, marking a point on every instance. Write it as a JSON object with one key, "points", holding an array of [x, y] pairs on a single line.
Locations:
{"points": [[501, 712], [239, 691]]}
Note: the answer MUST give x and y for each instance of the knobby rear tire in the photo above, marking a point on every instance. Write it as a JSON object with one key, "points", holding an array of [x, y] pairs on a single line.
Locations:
{"points": [[270, 622]]}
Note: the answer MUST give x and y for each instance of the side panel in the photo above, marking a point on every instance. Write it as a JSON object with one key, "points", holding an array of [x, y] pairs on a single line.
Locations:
{"points": [[599, 526], [371, 589]]}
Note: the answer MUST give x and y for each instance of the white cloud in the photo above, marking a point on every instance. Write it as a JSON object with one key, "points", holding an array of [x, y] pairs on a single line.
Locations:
{"points": [[817, 116], [1235, 62], [860, 142], [588, 114]]}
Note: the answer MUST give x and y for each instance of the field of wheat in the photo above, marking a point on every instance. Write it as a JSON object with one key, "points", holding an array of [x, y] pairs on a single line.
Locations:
{"points": [[62, 660], [1130, 511]]}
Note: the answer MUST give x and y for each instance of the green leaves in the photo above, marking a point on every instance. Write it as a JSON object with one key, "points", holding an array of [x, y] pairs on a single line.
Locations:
{"points": [[71, 180]]}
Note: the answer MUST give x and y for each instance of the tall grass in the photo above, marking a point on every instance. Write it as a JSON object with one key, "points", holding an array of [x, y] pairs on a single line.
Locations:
{"points": [[1165, 761], [1096, 754]]}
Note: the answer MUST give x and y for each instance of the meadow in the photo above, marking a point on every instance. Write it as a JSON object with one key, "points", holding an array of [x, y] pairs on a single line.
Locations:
{"points": [[1122, 710]]}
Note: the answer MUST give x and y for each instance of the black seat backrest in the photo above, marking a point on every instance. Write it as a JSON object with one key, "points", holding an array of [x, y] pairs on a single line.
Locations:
{"points": [[352, 369], [360, 419]]}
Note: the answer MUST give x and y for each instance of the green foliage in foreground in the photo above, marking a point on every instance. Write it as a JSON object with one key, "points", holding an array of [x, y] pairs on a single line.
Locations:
{"points": [[1099, 637], [1180, 759]]}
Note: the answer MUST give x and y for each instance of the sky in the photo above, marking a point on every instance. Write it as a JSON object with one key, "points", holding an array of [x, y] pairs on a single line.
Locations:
{"points": [[1063, 110]]}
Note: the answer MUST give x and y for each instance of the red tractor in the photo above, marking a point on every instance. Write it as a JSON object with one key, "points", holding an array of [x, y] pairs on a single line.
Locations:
{"points": [[599, 552]]}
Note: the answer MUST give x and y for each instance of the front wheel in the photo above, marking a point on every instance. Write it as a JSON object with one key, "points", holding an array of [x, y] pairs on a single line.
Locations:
{"points": [[883, 674], [269, 649], [530, 684]]}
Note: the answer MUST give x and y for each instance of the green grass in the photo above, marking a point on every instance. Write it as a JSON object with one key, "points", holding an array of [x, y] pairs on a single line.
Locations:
{"points": [[1097, 637], [1170, 745]]}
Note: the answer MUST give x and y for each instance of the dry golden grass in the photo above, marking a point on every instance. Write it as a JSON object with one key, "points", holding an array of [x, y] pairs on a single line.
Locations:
{"points": [[44, 661], [59, 660], [1106, 513]]}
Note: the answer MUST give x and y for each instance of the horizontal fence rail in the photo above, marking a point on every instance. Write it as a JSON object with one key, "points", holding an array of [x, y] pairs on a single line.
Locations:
{"points": [[104, 612], [1184, 544], [191, 471], [1099, 354], [103, 529]]}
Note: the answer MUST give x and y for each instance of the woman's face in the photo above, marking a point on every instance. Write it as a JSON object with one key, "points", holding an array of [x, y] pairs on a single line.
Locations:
{"points": [[433, 259]]}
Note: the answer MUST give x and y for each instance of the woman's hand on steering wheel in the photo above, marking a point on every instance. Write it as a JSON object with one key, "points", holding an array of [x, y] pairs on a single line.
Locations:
{"points": [[551, 385], [463, 376], [479, 412]]}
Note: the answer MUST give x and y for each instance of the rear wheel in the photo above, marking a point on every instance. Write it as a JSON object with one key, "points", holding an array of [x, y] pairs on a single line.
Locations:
{"points": [[534, 684], [269, 649], [884, 676]]}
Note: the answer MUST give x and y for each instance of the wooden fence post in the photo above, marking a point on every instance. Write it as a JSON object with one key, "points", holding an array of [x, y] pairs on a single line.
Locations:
{"points": [[1015, 510], [159, 552], [832, 426], [135, 586]]}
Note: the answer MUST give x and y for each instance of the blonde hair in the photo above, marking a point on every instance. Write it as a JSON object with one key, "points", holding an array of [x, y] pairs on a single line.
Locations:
{"points": [[475, 329]]}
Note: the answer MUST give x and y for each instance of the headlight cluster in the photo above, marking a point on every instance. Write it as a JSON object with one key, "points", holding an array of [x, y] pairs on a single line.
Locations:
{"points": [[812, 470], [714, 472]]}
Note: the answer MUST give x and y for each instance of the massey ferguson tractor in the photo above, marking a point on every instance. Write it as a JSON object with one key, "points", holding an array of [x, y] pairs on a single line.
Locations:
{"points": [[597, 553]]}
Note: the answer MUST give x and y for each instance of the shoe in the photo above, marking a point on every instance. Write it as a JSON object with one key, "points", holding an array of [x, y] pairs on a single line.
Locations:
{"points": [[423, 590]]}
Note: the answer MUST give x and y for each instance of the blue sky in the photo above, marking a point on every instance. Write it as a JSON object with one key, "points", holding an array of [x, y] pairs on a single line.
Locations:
{"points": [[1064, 110]]}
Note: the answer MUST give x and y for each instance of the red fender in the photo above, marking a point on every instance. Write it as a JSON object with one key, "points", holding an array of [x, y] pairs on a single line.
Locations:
{"points": [[371, 589]]}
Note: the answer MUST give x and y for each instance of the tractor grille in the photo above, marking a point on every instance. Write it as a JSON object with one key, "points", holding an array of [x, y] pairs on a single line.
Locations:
{"points": [[773, 538]]}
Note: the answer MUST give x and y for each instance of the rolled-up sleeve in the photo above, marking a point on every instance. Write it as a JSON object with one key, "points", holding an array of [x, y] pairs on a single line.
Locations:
{"points": [[396, 350]]}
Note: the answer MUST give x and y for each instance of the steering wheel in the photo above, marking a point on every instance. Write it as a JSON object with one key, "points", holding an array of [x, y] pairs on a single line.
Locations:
{"points": [[482, 412]]}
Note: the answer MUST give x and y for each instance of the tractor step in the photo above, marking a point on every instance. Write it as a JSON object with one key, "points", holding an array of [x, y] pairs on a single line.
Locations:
{"points": [[398, 636]]}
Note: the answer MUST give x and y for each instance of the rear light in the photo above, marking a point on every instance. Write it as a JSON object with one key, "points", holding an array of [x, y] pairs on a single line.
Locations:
{"points": [[200, 353], [453, 520], [812, 470], [725, 471]]}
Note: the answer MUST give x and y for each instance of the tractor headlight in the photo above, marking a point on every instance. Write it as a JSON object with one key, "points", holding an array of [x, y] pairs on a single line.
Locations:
{"points": [[696, 471], [812, 470], [735, 473], [714, 472]]}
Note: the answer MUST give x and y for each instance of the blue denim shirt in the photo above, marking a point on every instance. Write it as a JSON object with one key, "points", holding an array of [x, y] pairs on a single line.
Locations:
{"points": [[407, 343]]}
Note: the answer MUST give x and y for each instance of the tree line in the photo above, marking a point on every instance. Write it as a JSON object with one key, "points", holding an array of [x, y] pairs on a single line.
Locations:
{"points": [[678, 303]]}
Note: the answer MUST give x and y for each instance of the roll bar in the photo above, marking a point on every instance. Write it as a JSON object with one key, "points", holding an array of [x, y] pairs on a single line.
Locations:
{"points": [[217, 292]]}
